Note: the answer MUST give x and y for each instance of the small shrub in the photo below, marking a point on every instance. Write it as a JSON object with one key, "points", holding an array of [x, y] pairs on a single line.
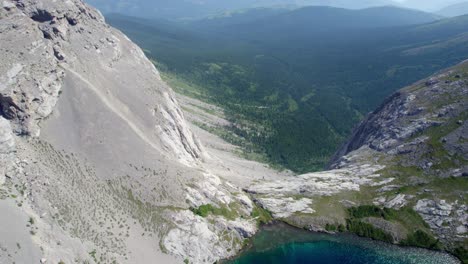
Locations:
{"points": [[406, 215], [262, 215], [207, 209], [372, 211], [330, 227], [462, 254], [341, 228], [245, 242], [367, 230], [203, 210], [421, 239], [93, 255]]}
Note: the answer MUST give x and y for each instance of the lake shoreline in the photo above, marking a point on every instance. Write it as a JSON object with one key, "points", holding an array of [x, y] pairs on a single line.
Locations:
{"points": [[278, 225]]}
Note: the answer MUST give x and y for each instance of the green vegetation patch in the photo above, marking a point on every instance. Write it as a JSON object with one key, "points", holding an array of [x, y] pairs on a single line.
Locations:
{"points": [[461, 253], [399, 171], [93, 255], [203, 210], [406, 216], [360, 228], [208, 209], [261, 215], [367, 230], [231, 212], [421, 239], [450, 188], [438, 152], [369, 211]]}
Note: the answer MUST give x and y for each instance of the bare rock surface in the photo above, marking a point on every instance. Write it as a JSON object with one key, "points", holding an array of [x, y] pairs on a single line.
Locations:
{"points": [[23, 249], [447, 219], [97, 150], [289, 196], [430, 103], [322, 183], [7, 147]]}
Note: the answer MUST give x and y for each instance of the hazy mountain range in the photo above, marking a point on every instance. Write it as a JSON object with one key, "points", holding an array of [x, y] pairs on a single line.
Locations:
{"points": [[190, 9], [315, 17], [454, 10], [177, 9], [429, 5]]}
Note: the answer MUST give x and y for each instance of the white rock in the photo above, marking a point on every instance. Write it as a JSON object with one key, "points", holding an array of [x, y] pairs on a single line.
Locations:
{"points": [[283, 207], [397, 202], [7, 147], [244, 228], [201, 242], [461, 230], [7, 141], [8, 4]]}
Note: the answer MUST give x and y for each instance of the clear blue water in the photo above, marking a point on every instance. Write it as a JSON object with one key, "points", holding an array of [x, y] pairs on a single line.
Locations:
{"points": [[285, 245]]}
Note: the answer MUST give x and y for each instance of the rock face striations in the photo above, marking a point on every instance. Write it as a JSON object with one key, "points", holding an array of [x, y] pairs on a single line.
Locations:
{"points": [[401, 124], [45, 44], [97, 163]]}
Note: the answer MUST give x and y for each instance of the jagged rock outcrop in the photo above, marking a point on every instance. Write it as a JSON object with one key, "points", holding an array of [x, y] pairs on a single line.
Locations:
{"points": [[412, 111], [423, 128], [421, 132], [98, 154]]}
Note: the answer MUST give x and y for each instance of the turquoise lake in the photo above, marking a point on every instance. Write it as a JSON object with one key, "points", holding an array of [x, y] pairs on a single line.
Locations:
{"points": [[282, 244]]}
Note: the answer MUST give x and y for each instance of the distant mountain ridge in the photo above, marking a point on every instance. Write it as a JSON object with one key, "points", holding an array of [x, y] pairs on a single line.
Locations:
{"points": [[429, 5], [454, 10], [191, 9], [323, 18], [316, 18], [183, 9]]}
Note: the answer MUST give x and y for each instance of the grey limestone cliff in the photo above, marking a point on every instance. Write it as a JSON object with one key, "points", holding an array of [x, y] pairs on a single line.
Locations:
{"points": [[97, 161]]}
